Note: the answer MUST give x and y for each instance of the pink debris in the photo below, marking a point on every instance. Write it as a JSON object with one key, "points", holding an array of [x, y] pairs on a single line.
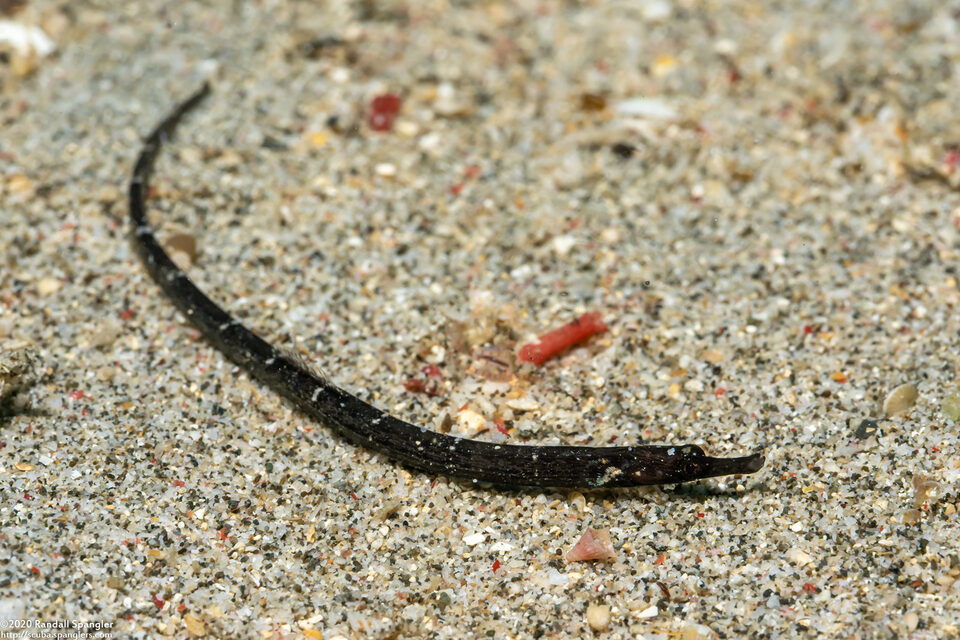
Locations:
{"points": [[594, 544]]}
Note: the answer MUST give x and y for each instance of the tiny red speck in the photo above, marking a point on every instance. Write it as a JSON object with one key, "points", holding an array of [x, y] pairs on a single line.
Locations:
{"points": [[157, 601], [354, 496], [178, 483], [76, 394], [414, 386], [935, 449], [181, 607], [700, 514], [660, 559], [809, 588], [456, 189], [431, 370], [27, 496], [719, 392], [951, 160], [126, 315], [34, 570], [496, 565], [501, 427], [807, 329], [383, 110]]}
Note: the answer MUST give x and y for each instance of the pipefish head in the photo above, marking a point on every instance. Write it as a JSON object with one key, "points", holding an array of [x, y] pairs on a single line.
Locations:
{"points": [[685, 463]]}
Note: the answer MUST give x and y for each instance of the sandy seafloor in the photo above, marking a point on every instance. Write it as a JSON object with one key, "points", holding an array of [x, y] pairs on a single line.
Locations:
{"points": [[760, 199]]}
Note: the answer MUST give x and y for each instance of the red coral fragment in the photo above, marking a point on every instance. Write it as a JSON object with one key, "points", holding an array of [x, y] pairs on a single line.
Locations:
{"points": [[594, 544], [552, 343], [157, 601]]}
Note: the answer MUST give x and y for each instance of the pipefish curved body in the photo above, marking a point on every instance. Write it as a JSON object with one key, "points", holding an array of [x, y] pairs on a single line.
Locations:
{"points": [[506, 465]]}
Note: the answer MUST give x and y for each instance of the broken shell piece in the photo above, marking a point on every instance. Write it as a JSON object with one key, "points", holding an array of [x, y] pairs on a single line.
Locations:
{"points": [[900, 400], [594, 544]]}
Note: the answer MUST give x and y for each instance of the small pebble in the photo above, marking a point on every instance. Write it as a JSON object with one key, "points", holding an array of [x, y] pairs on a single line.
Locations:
{"points": [[19, 183], [649, 108], [523, 404], [594, 544], [194, 625], [184, 243], [951, 407], [712, 356], [656, 10], [924, 489], [447, 103], [386, 169], [649, 612], [911, 516], [598, 617], [799, 556], [694, 632], [105, 335], [592, 102], [46, 286], [469, 422], [107, 373], [910, 621], [900, 400], [473, 539], [317, 138], [866, 429]]}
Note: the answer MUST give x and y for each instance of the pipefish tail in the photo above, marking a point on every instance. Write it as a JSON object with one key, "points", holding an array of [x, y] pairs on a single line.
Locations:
{"points": [[504, 465]]}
